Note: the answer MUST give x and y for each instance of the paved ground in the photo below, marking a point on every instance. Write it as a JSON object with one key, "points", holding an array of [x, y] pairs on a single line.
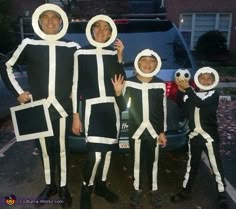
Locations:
{"points": [[21, 172]]}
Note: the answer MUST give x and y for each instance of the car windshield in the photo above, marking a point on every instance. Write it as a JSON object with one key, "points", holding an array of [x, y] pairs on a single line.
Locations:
{"points": [[161, 36]]}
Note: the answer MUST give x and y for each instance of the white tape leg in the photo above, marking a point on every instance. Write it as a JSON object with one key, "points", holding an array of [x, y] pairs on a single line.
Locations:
{"points": [[46, 162]]}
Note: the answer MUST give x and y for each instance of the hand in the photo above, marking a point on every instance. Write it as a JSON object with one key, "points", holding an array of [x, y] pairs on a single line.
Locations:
{"points": [[118, 45], [118, 84], [24, 97], [77, 127], [182, 84], [162, 140]]}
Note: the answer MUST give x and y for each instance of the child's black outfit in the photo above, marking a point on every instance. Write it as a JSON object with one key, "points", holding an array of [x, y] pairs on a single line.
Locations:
{"points": [[147, 119], [201, 108]]}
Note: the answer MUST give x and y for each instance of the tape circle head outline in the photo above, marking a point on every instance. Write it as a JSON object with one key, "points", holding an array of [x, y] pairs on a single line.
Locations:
{"points": [[147, 52], [38, 30], [206, 70], [89, 34]]}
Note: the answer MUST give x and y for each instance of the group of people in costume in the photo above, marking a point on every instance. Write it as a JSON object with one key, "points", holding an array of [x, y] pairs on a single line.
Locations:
{"points": [[67, 75]]}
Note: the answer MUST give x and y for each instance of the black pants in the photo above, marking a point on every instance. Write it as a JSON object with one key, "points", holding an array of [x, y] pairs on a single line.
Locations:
{"points": [[55, 152], [196, 146], [96, 167], [144, 157]]}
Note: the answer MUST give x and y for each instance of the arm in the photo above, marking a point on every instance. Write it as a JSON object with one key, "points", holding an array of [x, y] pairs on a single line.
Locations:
{"points": [[182, 98], [211, 99], [76, 123], [9, 77], [162, 120], [162, 140], [118, 84], [118, 45]]}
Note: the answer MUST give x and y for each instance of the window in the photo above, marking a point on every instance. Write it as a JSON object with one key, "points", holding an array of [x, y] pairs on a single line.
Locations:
{"points": [[192, 26]]}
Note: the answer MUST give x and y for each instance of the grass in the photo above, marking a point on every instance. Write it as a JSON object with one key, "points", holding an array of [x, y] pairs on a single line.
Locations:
{"points": [[228, 91], [226, 70]]}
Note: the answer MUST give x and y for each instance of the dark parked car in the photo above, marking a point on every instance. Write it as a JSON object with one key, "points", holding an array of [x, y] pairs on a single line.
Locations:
{"points": [[163, 37]]}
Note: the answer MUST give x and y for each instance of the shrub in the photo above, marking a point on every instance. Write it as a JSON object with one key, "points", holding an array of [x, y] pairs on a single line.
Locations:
{"points": [[211, 44]]}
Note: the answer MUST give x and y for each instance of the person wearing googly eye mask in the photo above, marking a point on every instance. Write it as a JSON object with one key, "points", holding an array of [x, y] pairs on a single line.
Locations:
{"points": [[49, 60], [144, 94], [201, 108], [96, 65]]}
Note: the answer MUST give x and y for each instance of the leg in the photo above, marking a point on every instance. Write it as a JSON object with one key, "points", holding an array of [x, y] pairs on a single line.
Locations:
{"points": [[89, 173], [62, 158], [101, 187], [152, 155], [216, 165], [136, 196], [194, 159], [49, 164], [194, 155]]}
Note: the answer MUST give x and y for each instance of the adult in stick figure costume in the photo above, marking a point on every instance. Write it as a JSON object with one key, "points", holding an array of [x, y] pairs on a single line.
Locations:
{"points": [[201, 106], [145, 95], [49, 61], [96, 65]]}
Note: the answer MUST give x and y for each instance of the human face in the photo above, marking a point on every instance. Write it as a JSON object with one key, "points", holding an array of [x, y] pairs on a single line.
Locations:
{"points": [[147, 64], [206, 79], [101, 31], [50, 22]]}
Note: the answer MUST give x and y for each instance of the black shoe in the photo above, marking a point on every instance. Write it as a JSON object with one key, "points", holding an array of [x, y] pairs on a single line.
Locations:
{"points": [[136, 199], [85, 197], [102, 190], [48, 192], [222, 201], [155, 200], [65, 196], [181, 196]]}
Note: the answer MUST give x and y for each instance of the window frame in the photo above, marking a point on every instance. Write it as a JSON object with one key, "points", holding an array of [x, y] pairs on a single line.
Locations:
{"points": [[194, 29]]}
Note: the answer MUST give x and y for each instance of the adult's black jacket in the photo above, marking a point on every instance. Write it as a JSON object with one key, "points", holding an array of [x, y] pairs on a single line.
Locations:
{"points": [[50, 72]]}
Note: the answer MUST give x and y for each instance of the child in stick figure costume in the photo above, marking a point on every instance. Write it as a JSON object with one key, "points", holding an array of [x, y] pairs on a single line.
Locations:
{"points": [[95, 65], [49, 60], [147, 122], [201, 106]]}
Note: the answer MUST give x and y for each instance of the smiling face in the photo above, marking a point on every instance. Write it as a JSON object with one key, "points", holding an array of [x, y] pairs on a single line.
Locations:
{"points": [[147, 64], [206, 79], [50, 22], [101, 31]]}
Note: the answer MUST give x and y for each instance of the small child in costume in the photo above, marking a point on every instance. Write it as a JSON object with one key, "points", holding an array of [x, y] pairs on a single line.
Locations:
{"points": [[147, 122]]}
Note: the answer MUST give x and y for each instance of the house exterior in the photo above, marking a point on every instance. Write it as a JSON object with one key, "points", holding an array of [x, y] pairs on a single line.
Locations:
{"points": [[192, 17], [195, 17]]}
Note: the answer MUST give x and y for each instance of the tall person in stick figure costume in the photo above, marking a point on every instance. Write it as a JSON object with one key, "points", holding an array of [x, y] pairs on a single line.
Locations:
{"points": [[49, 61], [97, 64]]}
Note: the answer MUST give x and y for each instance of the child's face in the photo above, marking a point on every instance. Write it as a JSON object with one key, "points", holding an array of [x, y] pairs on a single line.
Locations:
{"points": [[147, 64], [101, 31], [206, 79]]}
